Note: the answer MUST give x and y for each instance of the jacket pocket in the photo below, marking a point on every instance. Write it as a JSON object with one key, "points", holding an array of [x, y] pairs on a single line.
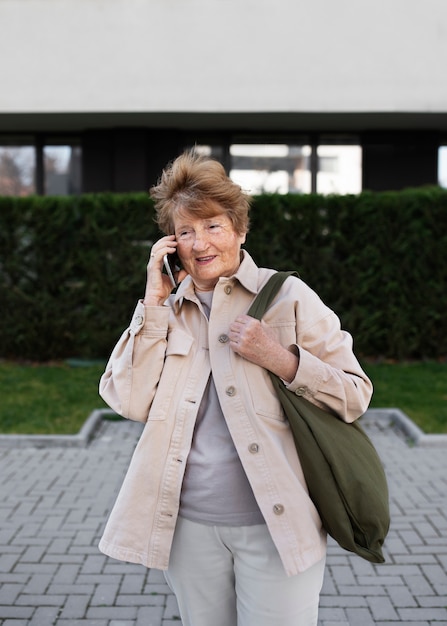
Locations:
{"points": [[271, 412], [179, 343], [264, 399], [178, 348]]}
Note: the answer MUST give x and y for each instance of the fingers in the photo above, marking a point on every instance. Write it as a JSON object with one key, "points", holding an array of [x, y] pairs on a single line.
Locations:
{"points": [[158, 285], [165, 245], [244, 330]]}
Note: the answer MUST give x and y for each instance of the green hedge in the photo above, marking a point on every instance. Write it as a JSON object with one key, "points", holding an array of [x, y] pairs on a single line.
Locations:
{"points": [[72, 268]]}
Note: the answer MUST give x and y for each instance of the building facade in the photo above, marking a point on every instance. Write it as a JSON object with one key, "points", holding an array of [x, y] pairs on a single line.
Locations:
{"points": [[328, 96]]}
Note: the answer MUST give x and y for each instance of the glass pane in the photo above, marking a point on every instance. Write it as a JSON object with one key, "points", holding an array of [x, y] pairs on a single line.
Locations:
{"points": [[17, 169], [442, 166], [271, 168], [62, 170], [339, 169], [213, 151]]}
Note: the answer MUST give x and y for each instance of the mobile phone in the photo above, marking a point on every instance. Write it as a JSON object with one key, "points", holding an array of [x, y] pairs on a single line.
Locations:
{"points": [[171, 263]]}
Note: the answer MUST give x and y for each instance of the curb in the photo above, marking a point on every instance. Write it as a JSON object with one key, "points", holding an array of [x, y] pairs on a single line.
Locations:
{"points": [[389, 416], [400, 420], [80, 440]]}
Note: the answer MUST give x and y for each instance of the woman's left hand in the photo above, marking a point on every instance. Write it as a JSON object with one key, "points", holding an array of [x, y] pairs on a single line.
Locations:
{"points": [[253, 340]]}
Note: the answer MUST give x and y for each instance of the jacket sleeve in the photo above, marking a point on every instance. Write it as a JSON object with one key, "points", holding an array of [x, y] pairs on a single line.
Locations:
{"points": [[329, 374], [132, 373]]}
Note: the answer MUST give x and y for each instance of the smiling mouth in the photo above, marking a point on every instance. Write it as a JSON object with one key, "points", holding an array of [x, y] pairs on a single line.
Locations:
{"points": [[205, 259]]}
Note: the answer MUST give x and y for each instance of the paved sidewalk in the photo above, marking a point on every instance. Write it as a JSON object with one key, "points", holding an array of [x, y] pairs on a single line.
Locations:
{"points": [[55, 500]]}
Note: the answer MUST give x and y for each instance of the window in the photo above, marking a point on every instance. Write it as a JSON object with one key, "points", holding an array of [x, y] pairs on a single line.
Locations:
{"points": [[339, 169], [442, 167], [62, 170], [271, 168], [214, 151], [48, 167], [17, 170]]}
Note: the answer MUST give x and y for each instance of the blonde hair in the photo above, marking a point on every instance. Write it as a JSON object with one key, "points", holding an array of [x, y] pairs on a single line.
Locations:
{"points": [[198, 185]]}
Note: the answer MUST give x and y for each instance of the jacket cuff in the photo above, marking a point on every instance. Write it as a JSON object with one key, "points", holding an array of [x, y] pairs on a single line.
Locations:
{"points": [[309, 374], [152, 320]]}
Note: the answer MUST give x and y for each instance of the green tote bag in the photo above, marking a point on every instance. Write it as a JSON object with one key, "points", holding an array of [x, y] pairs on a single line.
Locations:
{"points": [[343, 471]]}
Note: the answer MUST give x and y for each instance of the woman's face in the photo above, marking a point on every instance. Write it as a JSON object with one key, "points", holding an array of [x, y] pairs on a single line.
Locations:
{"points": [[208, 248]]}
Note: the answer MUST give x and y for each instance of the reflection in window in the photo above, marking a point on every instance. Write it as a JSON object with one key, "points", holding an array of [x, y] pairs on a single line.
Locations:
{"points": [[339, 169], [214, 151], [62, 170], [17, 170], [271, 168], [442, 166]]}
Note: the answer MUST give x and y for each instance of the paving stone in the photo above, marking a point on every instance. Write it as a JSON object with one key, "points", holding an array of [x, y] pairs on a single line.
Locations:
{"points": [[44, 616], [105, 594], [83, 622], [67, 573], [140, 600], [332, 614], [437, 601], [40, 600], [133, 583], [401, 597], [112, 612], [16, 612], [38, 584], [71, 590], [75, 607], [360, 616], [9, 593], [343, 601], [382, 609], [416, 623], [419, 586], [150, 616], [427, 613]]}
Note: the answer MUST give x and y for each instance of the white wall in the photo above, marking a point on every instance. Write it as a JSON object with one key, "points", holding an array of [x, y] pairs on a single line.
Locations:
{"points": [[223, 55]]}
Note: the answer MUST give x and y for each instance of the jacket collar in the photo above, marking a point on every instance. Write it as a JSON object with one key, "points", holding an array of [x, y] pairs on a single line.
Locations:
{"points": [[246, 275]]}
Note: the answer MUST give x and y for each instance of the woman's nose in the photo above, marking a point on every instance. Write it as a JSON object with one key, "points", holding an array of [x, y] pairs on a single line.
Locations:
{"points": [[200, 240]]}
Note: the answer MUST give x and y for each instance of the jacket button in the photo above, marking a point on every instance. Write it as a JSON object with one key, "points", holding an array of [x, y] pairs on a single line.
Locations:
{"points": [[228, 289], [253, 448], [301, 391], [223, 338], [278, 509], [230, 391], [138, 319]]}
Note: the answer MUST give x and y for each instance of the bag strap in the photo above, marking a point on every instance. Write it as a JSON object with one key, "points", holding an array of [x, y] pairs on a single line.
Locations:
{"points": [[263, 299]]}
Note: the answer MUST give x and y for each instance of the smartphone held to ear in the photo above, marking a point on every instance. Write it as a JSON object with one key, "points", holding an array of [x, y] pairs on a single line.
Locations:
{"points": [[172, 265]]}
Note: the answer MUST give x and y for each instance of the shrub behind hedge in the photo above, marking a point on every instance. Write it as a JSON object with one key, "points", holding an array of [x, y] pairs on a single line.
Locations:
{"points": [[72, 268]]}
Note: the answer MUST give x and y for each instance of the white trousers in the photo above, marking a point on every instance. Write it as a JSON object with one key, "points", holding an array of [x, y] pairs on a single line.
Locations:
{"points": [[233, 576]]}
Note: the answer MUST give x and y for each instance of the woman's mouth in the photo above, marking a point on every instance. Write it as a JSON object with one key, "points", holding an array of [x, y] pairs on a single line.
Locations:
{"points": [[204, 260]]}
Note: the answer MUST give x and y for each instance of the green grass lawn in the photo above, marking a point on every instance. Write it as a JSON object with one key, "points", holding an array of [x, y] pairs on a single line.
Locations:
{"points": [[47, 399], [418, 389], [58, 398]]}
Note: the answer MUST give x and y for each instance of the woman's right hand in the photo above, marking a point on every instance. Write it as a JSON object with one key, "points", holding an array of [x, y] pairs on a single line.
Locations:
{"points": [[158, 284]]}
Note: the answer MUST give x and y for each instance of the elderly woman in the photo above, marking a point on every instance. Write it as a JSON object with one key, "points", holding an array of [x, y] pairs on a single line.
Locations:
{"points": [[215, 493]]}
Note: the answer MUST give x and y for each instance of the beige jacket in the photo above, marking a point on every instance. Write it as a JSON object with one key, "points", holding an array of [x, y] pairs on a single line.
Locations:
{"points": [[157, 374]]}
